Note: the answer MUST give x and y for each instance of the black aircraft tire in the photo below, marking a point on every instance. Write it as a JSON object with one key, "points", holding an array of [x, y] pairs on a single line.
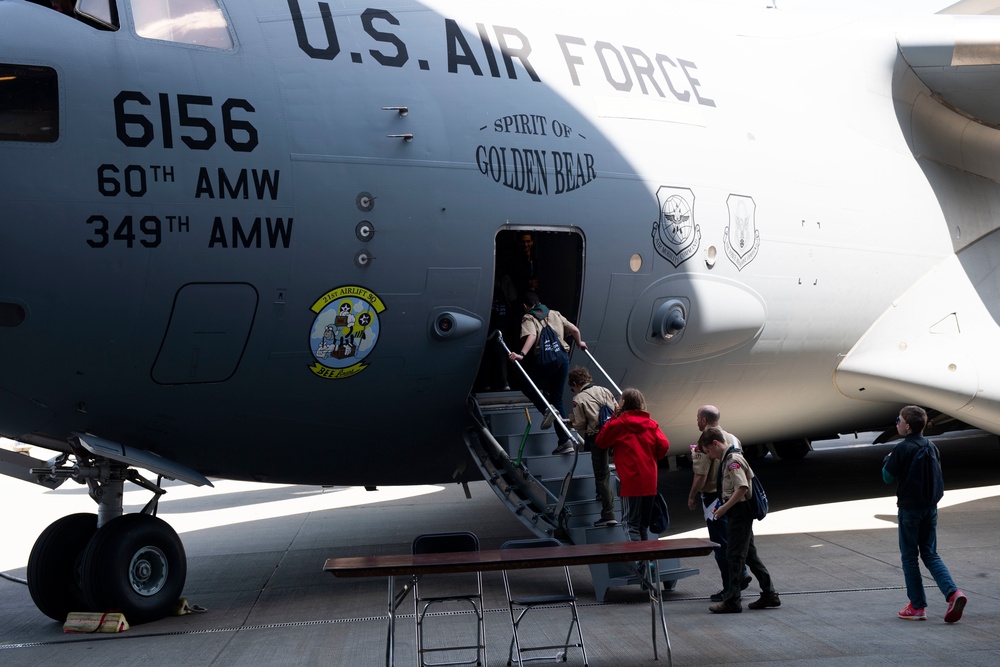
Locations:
{"points": [[135, 564], [54, 564]]}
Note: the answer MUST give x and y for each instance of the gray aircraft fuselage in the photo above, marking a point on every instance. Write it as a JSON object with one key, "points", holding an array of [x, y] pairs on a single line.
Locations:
{"points": [[241, 257]]}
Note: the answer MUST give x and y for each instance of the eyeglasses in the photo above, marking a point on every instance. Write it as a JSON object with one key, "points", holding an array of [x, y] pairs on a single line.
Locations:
{"points": [[898, 420]]}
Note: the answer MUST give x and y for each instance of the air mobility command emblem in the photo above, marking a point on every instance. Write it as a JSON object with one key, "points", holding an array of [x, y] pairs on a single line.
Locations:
{"points": [[741, 239], [676, 236]]}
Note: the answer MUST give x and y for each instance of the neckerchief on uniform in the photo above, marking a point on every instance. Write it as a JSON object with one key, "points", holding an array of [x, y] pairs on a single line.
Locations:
{"points": [[539, 311]]}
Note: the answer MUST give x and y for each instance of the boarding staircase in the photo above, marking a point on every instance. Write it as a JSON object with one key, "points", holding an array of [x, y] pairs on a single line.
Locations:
{"points": [[552, 495]]}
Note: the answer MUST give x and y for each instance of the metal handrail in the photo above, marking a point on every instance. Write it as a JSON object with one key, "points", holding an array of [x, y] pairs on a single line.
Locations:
{"points": [[560, 509], [618, 391], [572, 435]]}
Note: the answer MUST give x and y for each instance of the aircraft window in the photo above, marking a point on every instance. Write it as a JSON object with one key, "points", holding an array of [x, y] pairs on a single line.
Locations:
{"points": [[199, 22], [29, 103], [61, 6], [103, 13]]}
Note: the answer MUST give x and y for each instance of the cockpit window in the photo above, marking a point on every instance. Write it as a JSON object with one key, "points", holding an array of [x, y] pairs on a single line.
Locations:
{"points": [[29, 103], [199, 22], [102, 13]]}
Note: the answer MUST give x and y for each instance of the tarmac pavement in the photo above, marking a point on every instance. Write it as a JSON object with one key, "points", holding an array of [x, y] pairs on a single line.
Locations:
{"points": [[255, 557]]}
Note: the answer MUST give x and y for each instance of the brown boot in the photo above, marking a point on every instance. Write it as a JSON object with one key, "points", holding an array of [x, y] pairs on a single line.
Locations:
{"points": [[733, 607], [765, 600]]}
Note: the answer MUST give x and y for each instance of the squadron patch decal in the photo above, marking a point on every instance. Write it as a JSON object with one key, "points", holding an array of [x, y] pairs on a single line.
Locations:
{"points": [[741, 238], [345, 331], [676, 236]]}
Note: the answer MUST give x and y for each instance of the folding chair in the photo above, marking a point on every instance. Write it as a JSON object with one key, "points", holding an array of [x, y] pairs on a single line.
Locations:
{"points": [[448, 588], [523, 603]]}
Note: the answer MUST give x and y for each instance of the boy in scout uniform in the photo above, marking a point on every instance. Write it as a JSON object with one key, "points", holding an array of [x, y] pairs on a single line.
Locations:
{"points": [[735, 475], [587, 402], [704, 493]]}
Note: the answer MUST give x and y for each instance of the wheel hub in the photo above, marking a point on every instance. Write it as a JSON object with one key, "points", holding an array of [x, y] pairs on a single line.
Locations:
{"points": [[148, 571]]}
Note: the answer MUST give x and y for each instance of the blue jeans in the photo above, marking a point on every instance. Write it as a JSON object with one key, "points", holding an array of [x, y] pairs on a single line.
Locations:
{"points": [[552, 383], [918, 537]]}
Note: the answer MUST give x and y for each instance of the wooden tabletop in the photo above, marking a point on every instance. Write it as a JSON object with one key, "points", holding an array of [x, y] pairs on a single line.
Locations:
{"points": [[516, 559]]}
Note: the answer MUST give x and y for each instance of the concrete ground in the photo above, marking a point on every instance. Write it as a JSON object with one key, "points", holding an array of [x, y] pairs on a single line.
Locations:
{"points": [[256, 552]]}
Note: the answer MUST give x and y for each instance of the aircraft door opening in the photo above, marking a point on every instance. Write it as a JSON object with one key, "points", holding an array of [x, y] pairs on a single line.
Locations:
{"points": [[547, 261]]}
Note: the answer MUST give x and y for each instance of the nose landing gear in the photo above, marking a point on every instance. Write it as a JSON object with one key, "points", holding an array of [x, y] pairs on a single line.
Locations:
{"points": [[132, 563]]}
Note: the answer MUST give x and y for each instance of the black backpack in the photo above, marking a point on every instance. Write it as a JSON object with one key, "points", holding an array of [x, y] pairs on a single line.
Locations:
{"points": [[550, 350], [606, 413], [659, 521], [758, 500], [924, 477]]}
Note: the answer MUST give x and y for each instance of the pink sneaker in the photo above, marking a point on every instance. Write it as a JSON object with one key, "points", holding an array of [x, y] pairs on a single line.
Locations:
{"points": [[956, 603], [910, 614]]}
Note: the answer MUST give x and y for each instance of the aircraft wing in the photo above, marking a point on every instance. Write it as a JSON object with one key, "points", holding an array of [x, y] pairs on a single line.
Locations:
{"points": [[936, 344], [980, 7], [961, 67]]}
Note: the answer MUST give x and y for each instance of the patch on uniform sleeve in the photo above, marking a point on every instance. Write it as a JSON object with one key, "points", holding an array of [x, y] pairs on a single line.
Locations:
{"points": [[735, 465]]}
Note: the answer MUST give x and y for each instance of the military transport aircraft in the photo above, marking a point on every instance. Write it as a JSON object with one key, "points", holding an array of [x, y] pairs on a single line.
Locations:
{"points": [[270, 239]]}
